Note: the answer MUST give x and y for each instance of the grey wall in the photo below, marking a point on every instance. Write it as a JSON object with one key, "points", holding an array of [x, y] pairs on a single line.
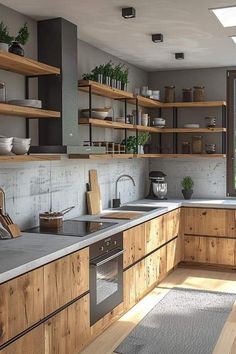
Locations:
{"points": [[209, 175]]}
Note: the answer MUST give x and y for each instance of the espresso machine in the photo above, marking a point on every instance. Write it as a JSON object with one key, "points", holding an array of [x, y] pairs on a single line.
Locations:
{"points": [[158, 186]]}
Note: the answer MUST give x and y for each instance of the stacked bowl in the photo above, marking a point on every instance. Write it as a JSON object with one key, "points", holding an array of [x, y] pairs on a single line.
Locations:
{"points": [[5, 145], [20, 146]]}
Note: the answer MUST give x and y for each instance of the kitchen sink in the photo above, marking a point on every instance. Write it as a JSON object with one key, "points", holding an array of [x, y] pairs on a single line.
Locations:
{"points": [[138, 208]]}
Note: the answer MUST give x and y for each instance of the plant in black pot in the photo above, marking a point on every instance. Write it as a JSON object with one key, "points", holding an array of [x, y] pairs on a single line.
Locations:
{"points": [[187, 184], [5, 38], [19, 41]]}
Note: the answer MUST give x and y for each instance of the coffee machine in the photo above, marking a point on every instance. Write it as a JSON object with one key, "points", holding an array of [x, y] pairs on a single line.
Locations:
{"points": [[158, 186]]}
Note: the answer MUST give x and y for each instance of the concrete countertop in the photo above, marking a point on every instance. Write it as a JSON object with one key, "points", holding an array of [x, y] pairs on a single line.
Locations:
{"points": [[30, 251]]}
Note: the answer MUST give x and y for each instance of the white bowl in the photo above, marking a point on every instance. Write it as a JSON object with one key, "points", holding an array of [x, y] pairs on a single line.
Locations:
{"points": [[5, 149], [158, 122], [191, 125], [20, 149], [21, 140], [4, 140], [98, 113], [27, 103]]}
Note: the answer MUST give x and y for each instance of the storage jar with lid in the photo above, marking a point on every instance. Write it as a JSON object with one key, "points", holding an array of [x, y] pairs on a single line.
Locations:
{"points": [[2, 92], [169, 94], [185, 147], [197, 144], [187, 95], [199, 93]]}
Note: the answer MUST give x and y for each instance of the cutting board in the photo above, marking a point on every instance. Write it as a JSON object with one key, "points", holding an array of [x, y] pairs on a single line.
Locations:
{"points": [[93, 202], [118, 215]]}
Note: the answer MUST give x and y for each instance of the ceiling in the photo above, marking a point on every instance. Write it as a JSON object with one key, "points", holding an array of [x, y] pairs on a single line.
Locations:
{"points": [[187, 25]]}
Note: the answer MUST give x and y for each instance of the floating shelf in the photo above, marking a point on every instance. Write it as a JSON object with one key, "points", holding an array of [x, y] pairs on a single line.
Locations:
{"points": [[146, 102], [103, 90], [27, 112], [25, 66], [105, 123], [193, 104], [101, 156], [180, 155], [28, 158], [179, 130]]}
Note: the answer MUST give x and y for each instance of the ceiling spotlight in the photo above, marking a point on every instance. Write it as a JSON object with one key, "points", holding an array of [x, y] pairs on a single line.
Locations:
{"points": [[179, 56], [157, 38], [128, 12], [226, 15]]}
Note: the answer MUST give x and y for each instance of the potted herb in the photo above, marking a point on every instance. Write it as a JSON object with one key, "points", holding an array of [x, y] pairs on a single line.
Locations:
{"points": [[187, 184], [108, 70], [19, 41], [142, 140], [130, 144], [115, 81], [124, 79], [5, 38]]}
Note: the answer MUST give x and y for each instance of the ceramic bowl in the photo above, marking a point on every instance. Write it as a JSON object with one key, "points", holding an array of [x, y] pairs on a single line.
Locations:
{"points": [[5, 149], [158, 122], [20, 149], [27, 103], [21, 141], [4, 140], [99, 113]]}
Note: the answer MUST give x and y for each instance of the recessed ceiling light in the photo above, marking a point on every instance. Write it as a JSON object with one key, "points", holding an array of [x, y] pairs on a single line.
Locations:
{"points": [[179, 56], [128, 12], [226, 15], [233, 38], [157, 38]]}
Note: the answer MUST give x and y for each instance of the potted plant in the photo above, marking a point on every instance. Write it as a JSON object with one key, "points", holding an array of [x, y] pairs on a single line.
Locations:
{"points": [[107, 74], [142, 140], [124, 79], [187, 184], [19, 41], [5, 38], [130, 144]]}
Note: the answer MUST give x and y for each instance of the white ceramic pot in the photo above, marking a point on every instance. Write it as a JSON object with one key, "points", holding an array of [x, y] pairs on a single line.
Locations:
{"points": [[140, 149], [4, 47]]}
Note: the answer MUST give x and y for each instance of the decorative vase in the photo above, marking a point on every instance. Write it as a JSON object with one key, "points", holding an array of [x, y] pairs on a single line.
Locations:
{"points": [[187, 193], [17, 49], [140, 149], [4, 46]]}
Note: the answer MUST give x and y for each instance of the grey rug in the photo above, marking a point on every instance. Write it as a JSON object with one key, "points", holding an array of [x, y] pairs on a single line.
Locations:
{"points": [[185, 321]]}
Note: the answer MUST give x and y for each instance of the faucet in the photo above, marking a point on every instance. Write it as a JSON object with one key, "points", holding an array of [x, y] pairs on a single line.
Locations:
{"points": [[118, 179]]}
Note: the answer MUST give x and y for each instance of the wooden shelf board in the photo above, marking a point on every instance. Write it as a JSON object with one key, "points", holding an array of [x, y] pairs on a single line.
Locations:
{"points": [[105, 123], [103, 90], [179, 130], [25, 66], [101, 156], [28, 158], [28, 112], [146, 102], [194, 104], [180, 156]]}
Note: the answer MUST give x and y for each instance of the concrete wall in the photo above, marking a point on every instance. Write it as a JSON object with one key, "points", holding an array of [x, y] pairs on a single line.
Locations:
{"points": [[209, 175]]}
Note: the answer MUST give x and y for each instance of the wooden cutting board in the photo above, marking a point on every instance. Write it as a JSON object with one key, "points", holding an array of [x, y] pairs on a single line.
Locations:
{"points": [[93, 202], [124, 216]]}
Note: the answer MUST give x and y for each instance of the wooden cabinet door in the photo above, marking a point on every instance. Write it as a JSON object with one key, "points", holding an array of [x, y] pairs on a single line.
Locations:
{"points": [[171, 224], [140, 279], [69, 330], [163, 263], [210, 250], [154, 234], [21, 304], [209, 222], [129, 282], [134, 244], [66, 279], [152, 269]]}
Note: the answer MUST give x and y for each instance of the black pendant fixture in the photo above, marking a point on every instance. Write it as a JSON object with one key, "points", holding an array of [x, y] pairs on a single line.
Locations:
{"points": [[128, 12]]}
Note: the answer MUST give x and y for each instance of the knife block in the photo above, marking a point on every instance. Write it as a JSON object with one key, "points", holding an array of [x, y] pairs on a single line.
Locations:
{"points": [[12, 228]]}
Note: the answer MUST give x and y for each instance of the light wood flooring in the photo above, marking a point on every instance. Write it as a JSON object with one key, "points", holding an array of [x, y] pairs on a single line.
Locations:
{"points": [[181, 277]]}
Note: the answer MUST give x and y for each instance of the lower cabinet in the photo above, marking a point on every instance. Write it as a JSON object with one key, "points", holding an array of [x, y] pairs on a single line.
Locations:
{"points": [[210, 250], [66, 332]]}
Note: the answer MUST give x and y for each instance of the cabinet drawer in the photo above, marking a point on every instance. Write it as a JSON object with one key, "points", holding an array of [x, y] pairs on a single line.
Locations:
{"points": [[134, 244], [66, 279], [209, 222], [21, 304], [171, 224], [155, 236]]}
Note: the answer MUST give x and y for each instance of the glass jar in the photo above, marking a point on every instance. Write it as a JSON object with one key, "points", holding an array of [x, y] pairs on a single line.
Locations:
{"points": [[2, 92], [169, 94], [197, 144], [185, 147], [198, 93], [187, 95]]}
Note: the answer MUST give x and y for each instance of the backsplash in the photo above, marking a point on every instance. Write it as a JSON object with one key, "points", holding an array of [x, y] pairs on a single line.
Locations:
{"points": [[209, 176], [28, 187]]}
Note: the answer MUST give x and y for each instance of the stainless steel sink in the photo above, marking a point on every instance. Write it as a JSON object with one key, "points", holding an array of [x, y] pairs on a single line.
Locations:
{"points": [[138, 208]]}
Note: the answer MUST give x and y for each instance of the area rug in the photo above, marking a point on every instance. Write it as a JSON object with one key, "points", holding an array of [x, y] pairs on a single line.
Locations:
{"points": [[185, 321]]}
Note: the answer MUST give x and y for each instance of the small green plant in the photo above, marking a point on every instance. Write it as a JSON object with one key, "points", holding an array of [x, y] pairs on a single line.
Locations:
{"points": [[143, 138], [23, 35], [131, 142], [187, 183], [4, 34]]}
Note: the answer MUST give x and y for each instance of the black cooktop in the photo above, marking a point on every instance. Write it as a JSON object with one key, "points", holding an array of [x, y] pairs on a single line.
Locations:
{"points": [[75, 228]]}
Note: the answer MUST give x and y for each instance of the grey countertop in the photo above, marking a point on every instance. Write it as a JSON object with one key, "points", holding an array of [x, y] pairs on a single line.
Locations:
{"points": [[30, 251]]}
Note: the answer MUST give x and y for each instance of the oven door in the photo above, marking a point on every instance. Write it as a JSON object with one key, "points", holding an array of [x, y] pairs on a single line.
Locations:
{"points": [[106, 284]]}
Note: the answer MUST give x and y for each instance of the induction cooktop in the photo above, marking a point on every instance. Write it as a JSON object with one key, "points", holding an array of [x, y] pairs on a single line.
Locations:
{"points": [[75, 228]]}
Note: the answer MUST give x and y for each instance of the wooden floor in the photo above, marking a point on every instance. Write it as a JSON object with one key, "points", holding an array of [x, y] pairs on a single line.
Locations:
{"points": [[182, 277]]}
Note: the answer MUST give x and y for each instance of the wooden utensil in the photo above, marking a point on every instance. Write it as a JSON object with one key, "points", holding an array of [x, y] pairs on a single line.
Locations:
{"points": [[118, 215], [5, 219]]}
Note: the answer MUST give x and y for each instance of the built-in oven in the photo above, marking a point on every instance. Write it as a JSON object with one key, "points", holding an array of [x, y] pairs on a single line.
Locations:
{"points": [[106, 276]]}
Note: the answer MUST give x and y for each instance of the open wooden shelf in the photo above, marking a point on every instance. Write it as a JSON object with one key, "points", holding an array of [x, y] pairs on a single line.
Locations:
{"points": [[105, 123], [28, 158], [101, 156], [103, 90], [180, 155], [179, 130], [193, 104], [25, 66], [146, 102], [27, 112]]}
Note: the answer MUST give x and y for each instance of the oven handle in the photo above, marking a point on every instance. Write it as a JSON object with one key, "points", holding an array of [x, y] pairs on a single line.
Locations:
{"points": [[107, 259]]}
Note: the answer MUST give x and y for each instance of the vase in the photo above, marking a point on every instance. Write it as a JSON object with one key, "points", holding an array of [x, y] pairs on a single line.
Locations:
{"points": [[100, 78], [17, 49], [107, 81], [4, 46], [187, 193], [140, 149], [118, 84], [113, 83]]}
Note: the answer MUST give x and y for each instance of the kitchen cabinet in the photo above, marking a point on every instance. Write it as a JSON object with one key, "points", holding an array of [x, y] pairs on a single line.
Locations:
{"points": [[66, 279], [152, 265], [154, 232], [171, 224], [134, 244], [212, 250], [21, 304], [209, 222], [173, 256]]}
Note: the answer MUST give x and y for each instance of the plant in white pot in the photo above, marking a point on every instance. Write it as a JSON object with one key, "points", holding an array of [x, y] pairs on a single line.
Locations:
{"points": [[187, 184], [5, 38], [142, 140]]}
